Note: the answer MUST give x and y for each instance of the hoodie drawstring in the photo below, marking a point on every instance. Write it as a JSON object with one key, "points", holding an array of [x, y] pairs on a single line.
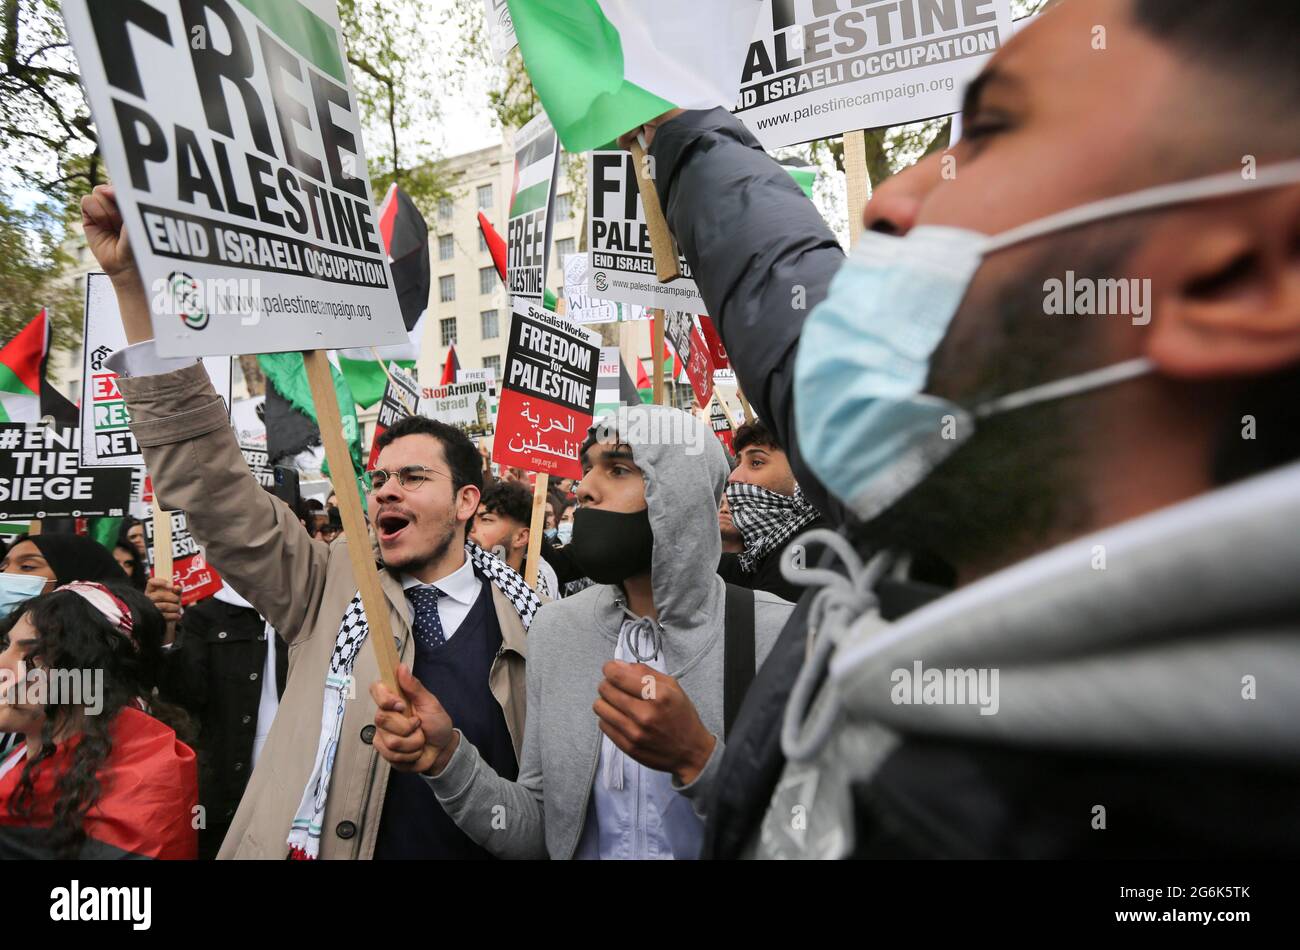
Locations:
{"points": [[839, 602]]}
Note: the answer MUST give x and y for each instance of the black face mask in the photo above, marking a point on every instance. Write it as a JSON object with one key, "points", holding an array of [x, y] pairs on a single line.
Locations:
{"points": [[611, 546]]}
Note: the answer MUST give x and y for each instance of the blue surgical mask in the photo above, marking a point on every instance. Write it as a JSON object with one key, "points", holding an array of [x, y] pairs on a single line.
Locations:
{"points": [[565, 532], [17, 588], [866, 428], [550, 533]]}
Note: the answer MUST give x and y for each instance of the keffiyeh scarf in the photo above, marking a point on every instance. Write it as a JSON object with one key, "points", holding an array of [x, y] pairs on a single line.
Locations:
{"points": [[304, 833], [766, 520]]}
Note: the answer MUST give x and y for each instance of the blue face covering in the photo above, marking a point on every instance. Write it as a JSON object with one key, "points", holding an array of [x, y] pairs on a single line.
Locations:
{"points": [[565, 532], [550, 534], [17, 588], [866, 428]]}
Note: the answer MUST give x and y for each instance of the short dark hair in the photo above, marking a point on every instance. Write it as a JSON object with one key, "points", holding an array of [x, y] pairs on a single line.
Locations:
{"points": [[463, 460], [509, 500], [1251, 44], [754, 433]]}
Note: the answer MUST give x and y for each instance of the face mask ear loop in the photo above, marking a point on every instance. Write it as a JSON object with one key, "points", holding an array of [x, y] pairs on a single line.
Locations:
{"points": [[839, 602], [1159, 196]]}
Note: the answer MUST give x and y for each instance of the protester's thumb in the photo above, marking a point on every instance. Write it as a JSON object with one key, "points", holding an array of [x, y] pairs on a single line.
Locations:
{"points": [[412, 689]]}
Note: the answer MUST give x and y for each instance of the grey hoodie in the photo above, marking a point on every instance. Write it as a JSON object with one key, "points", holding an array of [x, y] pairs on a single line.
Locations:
{"points": [[1174, 634], [543, 813]]}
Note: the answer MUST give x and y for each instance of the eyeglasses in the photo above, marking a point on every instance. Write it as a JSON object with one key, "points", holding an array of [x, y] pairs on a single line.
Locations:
{"points": [[410, 477]]}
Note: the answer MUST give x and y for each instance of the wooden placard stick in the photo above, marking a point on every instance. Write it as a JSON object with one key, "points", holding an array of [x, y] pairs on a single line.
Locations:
{"points": [[744, 404], [536, 526], [657, 347], [726, 410], [855, 174], [661, 239], [364, 571], [162, 542], [34, 527]]}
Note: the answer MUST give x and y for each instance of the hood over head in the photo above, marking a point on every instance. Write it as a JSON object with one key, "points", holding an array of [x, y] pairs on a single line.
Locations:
{"points": [[685, 471]]}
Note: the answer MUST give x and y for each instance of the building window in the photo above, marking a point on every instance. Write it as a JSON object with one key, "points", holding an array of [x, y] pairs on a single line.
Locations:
{"points": [[564, 248], [485, 197], [487, 280], [493, 363], [445, 208], [448, 331], [488, 319], [563, 206], [482, 241], [447, 288], [446, 247]]}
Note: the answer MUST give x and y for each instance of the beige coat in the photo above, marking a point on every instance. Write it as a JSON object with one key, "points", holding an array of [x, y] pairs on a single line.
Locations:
{"points": [[302, 587]]}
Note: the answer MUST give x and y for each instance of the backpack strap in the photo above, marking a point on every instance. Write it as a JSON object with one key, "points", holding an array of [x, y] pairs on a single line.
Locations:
{"points": [[737, 652]]}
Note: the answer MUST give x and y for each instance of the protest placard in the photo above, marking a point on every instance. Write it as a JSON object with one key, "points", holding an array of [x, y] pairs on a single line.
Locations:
{"points": [[548, 394], [817, 69], [401, 399], [41, 477], [581, 307], [608, 383], [466, 405], [234, 138], [500, 29], [686, 339], [528, 235], [248, 419], [259, 463], [106, 438], [721, 423], [190, 568], [622, 266]]}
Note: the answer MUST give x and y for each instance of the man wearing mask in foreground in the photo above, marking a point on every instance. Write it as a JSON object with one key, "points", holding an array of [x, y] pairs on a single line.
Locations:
{"points": [[626, 694], [1117, 494]]}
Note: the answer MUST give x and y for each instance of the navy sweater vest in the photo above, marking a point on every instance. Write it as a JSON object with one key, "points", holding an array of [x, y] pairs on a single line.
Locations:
{"points": [[413, 824]]}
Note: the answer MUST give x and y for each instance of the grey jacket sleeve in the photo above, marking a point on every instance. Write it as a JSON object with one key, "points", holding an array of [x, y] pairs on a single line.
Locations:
{"points": [[761, 254], [505, 818]]}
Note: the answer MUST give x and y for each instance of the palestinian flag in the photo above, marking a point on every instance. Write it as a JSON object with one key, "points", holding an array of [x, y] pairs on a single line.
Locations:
{"points": [[291, 424], [148, 792], [406, 239], [602, 67], [22, 370], [451, 368], [497, 248], [802, 172]]}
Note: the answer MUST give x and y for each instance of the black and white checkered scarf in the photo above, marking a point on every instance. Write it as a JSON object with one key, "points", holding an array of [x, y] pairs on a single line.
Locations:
{"points": [[766, 520], [304, 833]]}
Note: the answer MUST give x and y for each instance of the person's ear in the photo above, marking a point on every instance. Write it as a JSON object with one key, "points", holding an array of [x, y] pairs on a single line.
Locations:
{"points": [[1230, 303], [466, 503], [520, 541]]}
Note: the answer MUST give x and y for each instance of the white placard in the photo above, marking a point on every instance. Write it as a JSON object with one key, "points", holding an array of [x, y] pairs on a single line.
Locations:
{"points": [[232, 132], [106, 438], [819, 68]]}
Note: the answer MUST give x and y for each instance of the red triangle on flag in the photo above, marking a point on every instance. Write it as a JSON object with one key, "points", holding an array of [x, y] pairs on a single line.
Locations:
{"points": [[24, 355], [451, 368]]}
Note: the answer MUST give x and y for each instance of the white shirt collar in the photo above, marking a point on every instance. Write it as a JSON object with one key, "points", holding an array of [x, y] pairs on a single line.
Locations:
{"points": [[460, 585]]}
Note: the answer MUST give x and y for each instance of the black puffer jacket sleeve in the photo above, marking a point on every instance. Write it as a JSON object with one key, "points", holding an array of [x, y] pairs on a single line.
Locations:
{"points": [[752, 239]]}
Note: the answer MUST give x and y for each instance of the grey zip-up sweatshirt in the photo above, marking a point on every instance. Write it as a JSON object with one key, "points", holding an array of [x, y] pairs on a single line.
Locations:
{"points": [[543, 813]]}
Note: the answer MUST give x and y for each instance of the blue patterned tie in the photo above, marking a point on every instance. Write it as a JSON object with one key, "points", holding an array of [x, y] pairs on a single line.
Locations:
{"points": [[425, 622]]}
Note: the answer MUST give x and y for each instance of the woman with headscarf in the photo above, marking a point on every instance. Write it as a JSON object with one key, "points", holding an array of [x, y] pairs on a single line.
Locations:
{"points": [[98, 776], [36, 564]]}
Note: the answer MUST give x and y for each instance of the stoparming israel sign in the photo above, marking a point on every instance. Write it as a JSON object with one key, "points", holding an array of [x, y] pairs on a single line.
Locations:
{"points": [[232, 132]]}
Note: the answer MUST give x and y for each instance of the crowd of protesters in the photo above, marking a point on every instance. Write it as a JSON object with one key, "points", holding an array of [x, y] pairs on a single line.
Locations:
{"points": [[939, 477]]}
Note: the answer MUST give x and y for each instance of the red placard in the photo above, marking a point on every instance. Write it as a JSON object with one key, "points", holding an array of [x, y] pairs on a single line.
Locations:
{"points": [[548, 393]]}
